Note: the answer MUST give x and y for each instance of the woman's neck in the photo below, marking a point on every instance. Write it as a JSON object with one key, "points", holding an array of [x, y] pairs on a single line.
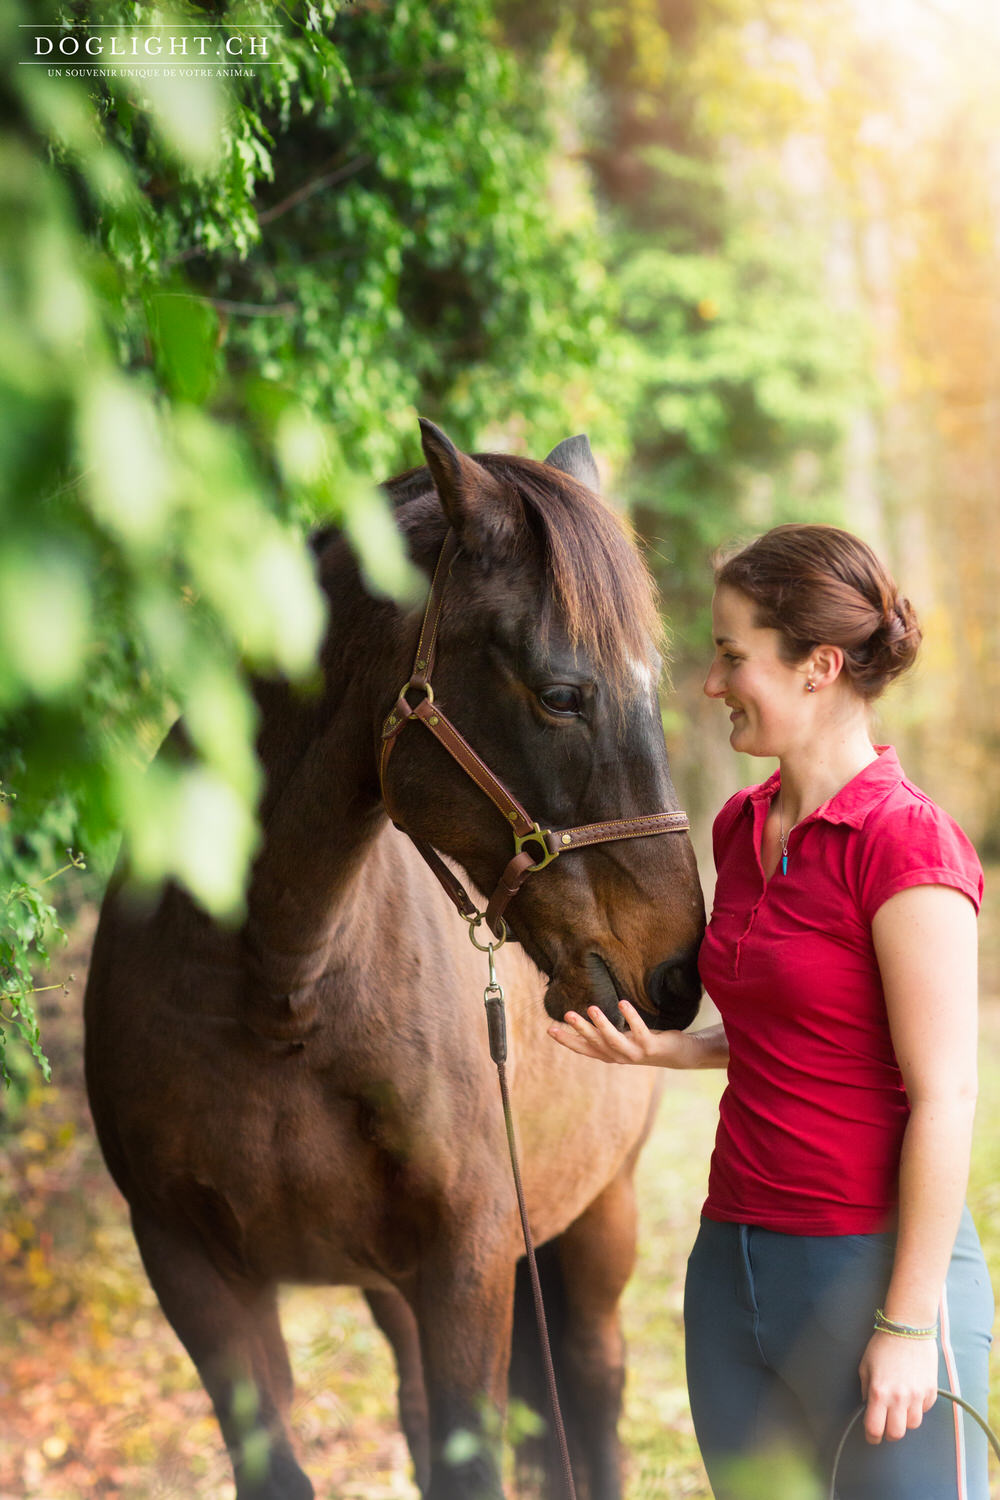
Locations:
{"points": [[812, 774]]}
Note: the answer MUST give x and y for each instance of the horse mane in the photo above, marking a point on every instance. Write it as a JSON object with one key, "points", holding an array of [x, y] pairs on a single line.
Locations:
{"points": [[600, 589]]}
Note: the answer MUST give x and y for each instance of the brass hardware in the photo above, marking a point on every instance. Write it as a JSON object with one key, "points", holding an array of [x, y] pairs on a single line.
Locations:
{"points": [[566, 838], [421, 665], [493, 984], [474, 922], [512, 816], [433, 720], [424, 688], [537, 836]]}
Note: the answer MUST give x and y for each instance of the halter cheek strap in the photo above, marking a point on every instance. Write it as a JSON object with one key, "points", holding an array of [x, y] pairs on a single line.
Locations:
{"points": [[534, 847]]}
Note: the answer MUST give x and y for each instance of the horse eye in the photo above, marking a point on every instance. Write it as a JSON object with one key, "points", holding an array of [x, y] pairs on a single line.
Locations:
{"points": [[561, 699]]}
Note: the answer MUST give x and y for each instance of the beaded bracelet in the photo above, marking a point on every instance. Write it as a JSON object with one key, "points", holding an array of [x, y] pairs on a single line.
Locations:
{"points": [[902, 1330]]}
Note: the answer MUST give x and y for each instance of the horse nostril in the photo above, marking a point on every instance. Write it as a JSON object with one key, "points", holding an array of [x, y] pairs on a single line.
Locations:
{"points": [[674, 989]]}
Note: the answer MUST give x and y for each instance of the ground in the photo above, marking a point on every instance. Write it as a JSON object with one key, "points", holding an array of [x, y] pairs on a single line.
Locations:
{"points": [[97, 1398]]}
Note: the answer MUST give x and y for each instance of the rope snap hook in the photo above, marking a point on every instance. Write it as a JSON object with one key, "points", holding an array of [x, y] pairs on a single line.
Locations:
{"points": [[496, 1019]]}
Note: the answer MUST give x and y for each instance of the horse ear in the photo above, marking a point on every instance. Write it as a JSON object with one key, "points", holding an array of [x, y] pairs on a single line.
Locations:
{"points": [[471, 498], [574, 457]]}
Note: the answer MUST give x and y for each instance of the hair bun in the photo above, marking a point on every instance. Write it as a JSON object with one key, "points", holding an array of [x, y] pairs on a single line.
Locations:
{"points": [[894, 624], [895, 643]]}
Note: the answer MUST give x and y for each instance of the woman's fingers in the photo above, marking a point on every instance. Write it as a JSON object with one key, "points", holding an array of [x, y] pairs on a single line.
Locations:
{"points": [[895, 1422], [895, 1417], [636, 1024], [875, 1415], [565, 1033], [915, 1415], [593, 1035], [620, 1044]]}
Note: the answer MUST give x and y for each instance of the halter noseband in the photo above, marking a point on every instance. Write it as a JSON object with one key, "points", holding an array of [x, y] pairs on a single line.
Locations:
{"points": [[534, 847]]}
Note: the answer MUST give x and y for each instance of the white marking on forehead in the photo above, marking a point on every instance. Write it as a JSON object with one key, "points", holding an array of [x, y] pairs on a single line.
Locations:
{"points": [[643, 674]]}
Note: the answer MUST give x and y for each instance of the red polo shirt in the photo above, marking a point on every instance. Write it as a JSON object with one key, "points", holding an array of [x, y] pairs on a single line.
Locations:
{"points": [[812, 1118]]}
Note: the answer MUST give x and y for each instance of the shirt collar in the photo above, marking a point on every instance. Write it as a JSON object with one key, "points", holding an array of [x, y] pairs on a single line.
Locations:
{"points": [[853, 802]]}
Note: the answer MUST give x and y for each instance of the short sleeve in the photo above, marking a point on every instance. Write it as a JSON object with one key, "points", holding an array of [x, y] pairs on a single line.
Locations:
{"points": [[725, 821], [912, 844]]}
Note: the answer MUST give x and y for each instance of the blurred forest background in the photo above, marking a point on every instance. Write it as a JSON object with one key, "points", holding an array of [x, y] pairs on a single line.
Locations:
{"points": [[749, 246]]}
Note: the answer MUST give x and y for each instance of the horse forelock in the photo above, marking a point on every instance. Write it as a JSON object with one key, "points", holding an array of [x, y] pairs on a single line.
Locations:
{"points": [[599, 589]]}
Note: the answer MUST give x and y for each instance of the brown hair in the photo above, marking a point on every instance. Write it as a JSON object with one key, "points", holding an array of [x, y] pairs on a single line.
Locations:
{"points": [[818, 585], [600, 585]]}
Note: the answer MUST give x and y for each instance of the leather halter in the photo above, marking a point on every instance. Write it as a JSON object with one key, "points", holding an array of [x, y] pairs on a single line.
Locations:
{"points": [[534, 847]]}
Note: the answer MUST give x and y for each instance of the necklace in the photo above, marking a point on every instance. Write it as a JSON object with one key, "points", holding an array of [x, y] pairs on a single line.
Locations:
{"points": [[783, 837]]}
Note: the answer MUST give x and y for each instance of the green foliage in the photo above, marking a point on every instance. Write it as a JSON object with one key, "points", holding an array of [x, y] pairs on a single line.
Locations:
{"points": [[407, 218], [735, 374], [144, 558], [28, 926], [745, 391], [224, 301]]}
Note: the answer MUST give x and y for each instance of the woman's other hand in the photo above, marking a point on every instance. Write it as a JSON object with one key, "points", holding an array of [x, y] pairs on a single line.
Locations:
{"points": [[899, 1379]]}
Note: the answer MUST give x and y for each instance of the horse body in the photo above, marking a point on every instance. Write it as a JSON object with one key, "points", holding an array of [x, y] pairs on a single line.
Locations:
{"points": [[384, 1062], [311, 1098]]}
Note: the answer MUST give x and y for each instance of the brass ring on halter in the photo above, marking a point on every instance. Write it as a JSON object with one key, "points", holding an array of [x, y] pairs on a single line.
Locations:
{"points": [[421, 687], [485, 947]]}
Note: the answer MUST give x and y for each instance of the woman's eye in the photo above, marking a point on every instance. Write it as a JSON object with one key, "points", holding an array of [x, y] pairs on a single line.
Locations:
{"points": [[561, 699]]}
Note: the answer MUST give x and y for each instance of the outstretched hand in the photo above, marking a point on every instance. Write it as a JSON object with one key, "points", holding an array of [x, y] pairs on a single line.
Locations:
{"points": [[594, 1036]]}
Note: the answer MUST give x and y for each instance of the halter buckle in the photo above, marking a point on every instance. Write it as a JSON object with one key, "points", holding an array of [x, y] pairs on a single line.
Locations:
{"points": [[538, 837]]}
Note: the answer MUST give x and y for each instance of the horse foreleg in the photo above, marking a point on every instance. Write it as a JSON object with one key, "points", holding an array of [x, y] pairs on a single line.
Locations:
{"points": [[597, 1256], [464, 1308], [395, 1318], [231, 1331]]}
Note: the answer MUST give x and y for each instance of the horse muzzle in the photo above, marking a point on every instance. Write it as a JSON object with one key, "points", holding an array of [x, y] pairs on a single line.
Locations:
{"points": [[673, 993]]}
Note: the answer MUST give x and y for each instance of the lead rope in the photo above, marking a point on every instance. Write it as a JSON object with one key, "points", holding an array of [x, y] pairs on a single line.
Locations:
{"points": [[948, 1396], [496, 1022]]}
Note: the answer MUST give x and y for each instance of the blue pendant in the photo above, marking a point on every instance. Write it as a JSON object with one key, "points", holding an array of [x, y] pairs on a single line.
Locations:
{"points": [[784, 864]]}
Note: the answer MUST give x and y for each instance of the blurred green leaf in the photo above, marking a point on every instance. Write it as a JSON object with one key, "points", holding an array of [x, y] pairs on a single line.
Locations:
{"points": [[189, 822], [184, 332], [44, 621], [188, 115], [125, 460]]}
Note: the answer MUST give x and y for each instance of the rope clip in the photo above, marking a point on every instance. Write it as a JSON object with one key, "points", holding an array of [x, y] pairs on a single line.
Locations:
{"points": [[496, 1020]]}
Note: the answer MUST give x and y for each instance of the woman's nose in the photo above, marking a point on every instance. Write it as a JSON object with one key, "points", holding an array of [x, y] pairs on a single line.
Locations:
{"points": [[715, 685]]}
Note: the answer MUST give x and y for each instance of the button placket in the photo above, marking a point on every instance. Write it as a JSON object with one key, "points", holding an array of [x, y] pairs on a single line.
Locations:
{"points": [[760, 811]]}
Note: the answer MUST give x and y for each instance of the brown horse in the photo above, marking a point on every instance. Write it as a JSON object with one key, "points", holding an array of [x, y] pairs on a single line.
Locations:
{"points": [[310, 1098]]}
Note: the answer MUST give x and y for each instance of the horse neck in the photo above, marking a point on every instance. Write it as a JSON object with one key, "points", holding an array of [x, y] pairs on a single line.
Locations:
{"points": [[322, 809]]}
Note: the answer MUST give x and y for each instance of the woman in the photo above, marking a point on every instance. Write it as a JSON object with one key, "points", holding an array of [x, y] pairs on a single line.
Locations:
{"points": [[835, 1262]]}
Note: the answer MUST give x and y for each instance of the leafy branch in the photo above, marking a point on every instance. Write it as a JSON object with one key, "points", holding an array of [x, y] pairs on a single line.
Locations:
{"points": [[28, 925]]}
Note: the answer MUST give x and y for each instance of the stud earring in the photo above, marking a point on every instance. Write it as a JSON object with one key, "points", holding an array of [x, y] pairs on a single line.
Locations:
{"points": [[810, 687]]}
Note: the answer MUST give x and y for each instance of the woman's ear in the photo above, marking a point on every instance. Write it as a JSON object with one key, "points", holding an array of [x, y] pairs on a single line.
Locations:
{"points": [[822, 667]]}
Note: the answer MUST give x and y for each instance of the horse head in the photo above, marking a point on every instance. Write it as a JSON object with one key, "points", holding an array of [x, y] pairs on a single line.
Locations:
{"points": [[545, 663]]}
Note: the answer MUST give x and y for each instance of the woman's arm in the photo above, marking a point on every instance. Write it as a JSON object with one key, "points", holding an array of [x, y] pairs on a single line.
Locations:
{"points": [[594, 1036], [925, 942]]}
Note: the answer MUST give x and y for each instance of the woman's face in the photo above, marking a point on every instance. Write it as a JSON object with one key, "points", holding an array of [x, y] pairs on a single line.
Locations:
{"points": [[765, 695]]}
